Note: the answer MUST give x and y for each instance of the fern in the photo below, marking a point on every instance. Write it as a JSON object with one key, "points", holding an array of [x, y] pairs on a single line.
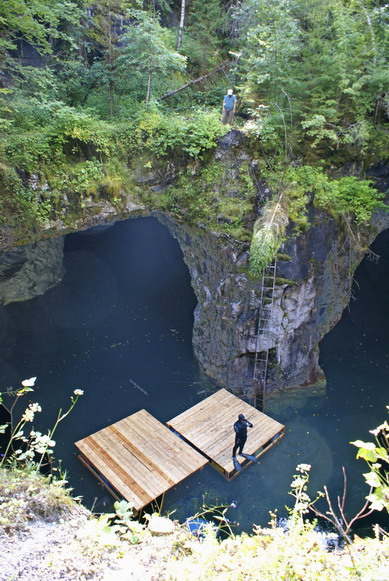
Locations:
{"points": [[269, 232]]}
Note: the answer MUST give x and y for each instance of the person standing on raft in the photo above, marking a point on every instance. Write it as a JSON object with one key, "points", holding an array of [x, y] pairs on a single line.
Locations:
{"points": [[240, 428]]}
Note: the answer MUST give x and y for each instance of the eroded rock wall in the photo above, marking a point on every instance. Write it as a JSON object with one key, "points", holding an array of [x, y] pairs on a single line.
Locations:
{"points": [[313, 288], [30, 270]]}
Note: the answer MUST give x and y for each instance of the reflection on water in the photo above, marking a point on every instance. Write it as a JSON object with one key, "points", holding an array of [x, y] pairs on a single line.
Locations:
{"points": [[119, 327]]}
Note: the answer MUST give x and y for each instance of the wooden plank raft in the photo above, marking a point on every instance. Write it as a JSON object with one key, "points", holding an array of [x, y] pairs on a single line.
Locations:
{"points": [[139, 458], [208, 426]]}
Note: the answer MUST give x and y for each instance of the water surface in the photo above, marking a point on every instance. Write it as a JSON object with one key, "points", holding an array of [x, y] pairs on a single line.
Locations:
{"points": [[119, 327]]}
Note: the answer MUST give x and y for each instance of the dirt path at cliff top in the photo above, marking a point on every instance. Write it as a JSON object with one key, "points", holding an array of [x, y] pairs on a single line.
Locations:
{"points": [[78, 549]]}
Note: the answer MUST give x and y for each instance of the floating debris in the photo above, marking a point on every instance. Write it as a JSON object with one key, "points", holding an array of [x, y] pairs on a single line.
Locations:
{"points": [[138, 387]]}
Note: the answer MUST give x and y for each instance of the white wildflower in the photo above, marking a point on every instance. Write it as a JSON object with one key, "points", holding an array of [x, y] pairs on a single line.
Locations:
{"points": [[298, 482], [78, 392], [303, 467], [29, 382], [29, 413], [43, 443]]}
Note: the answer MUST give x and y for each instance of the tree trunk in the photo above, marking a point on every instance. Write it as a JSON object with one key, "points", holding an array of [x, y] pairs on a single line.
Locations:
{"points": [[219, 68], [110, 67], [181, 25], [148, 94]]}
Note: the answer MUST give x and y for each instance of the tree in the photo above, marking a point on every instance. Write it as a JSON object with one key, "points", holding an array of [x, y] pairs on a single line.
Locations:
{"points": [[205, 34], [105, 29], [39, 23], [323, 63], [181, 25], [148, 49]]}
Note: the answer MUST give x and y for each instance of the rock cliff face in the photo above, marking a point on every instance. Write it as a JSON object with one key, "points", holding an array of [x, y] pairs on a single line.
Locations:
{"points": [[28, 271], [313, 284], [314, 288]]}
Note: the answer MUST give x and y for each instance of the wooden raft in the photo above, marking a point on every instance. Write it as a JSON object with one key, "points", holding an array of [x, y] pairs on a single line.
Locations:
{"points": [[139, 458], [208, 426]]}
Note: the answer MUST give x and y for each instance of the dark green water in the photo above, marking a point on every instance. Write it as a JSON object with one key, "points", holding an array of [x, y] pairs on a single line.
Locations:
{"points": [[124, 314]]}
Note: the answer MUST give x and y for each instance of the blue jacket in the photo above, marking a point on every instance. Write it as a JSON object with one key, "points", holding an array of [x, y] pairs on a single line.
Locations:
{"points": [[229, 102]]}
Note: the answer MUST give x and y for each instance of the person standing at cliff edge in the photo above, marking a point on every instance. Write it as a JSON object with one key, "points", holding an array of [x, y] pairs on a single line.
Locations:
{"points": [[229, 106]]}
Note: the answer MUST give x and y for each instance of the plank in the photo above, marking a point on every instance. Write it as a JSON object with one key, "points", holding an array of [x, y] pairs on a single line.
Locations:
{"points": [[175, 457], [151, 481], [209, 427], [128, 487], [140, 457]]}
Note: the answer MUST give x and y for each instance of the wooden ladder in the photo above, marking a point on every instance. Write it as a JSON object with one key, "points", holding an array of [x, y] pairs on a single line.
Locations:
{"points": [[265, 312]]}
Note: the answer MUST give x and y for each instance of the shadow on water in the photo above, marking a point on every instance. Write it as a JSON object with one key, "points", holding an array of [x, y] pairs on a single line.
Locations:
{"points": [[119, 327]]}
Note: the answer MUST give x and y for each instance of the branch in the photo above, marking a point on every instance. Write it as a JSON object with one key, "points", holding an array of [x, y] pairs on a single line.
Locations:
{"points": [[360, 513], [219, 68], [341, 504]]}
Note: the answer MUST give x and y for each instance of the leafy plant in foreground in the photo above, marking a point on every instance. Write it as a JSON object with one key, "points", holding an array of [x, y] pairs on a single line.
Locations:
{"points": [[122, 523], [34, 443], [376, 454], [304, 504]]}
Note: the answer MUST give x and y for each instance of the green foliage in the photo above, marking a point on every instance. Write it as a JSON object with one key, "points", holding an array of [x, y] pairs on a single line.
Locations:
{"points": [[269, 232], [35, 21], [210, 198], [307, 85], [376, 454], [80, 133], [26, 496], [123, 523], [193, 134], [148, 48], [203, 35], [348, 195], [324, 65], [343, 197], [52, 150], [160, 134], [17, 203], [82, 179]]}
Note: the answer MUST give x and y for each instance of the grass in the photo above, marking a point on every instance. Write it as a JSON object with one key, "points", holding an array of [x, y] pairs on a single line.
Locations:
{"points": [[268, 554], [27, 496], [272, 554]]}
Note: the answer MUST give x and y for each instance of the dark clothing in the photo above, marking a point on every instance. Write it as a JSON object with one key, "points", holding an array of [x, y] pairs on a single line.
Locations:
{"points": [[240, 428]]}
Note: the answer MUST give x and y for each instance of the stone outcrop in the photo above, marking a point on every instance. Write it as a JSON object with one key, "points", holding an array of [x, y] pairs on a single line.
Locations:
{"points": [[313, 289], [30, 270]]}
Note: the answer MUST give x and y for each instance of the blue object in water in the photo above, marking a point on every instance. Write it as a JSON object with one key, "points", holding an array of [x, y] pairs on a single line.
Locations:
{"points": [[197, 526]]}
